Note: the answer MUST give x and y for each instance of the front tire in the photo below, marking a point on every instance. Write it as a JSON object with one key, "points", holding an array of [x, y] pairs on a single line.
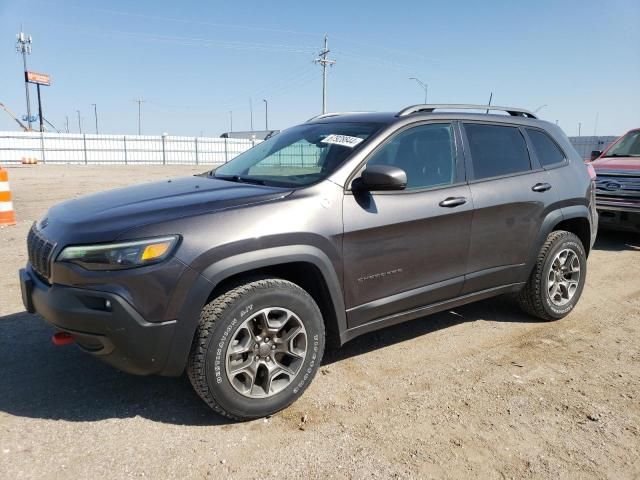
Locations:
{"points": [[257, 348], [558, 278]]}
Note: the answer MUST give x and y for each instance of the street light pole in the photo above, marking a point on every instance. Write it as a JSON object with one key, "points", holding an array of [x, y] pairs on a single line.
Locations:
{"points": [[231, 120], [95, 113], [266, 114], [540, 108], [251, 112], [424, 86], [79, 121]]}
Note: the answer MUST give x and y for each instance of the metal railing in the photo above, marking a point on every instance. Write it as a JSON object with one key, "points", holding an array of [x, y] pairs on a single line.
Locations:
{"points": [[65, 148]]}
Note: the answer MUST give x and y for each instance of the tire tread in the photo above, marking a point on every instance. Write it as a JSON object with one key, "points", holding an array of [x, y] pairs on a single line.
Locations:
{"points": [[530, 297], [212, 313]]}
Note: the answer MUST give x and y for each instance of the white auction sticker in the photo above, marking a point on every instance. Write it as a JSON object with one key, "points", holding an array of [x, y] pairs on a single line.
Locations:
{"points": [[343, 140]]}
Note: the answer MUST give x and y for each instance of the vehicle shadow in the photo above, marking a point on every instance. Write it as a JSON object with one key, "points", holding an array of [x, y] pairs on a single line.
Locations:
{"points": [[40, 380], [498, 309], [613, 241]]}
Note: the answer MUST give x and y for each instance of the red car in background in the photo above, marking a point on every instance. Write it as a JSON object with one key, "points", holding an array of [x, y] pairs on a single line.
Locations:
{"points": [[618, 183]]}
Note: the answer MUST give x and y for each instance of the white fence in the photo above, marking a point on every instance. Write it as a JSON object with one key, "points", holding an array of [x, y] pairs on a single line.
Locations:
{"points": [[60, 148], [585, 145]]}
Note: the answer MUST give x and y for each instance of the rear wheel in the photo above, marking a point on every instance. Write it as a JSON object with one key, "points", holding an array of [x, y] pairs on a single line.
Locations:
{"points": [[257, 348], [558, 278]]}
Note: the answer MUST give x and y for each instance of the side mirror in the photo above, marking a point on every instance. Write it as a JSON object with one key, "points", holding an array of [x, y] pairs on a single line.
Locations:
{"points": [[595, 154], [381, 177]]}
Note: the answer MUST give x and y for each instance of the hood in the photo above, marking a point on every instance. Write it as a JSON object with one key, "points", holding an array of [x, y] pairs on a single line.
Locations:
{"points": [[101, 217], [631, 164]]}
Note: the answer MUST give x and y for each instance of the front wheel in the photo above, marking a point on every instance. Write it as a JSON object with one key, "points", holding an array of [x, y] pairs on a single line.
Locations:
{"points": [[558, 278], [257, 348]]}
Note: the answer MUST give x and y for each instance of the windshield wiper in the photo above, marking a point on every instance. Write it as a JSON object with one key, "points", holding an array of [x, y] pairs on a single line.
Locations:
{"points": [[240, 179], [614, 155]]}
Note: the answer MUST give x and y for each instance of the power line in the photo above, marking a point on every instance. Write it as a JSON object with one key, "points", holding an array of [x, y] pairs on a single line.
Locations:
{"points": [[324, 62]]}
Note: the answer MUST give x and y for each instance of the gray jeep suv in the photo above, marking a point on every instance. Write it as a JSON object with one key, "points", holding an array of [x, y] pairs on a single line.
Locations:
{"points": [[342, 225]]}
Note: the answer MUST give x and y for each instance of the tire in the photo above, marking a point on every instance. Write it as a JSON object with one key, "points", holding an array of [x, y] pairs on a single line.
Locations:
{"points": [[540, 297], [236, 321]]}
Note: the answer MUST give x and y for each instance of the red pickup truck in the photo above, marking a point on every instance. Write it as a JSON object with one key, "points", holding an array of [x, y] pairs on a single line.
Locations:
{"points": [[618, 183]]}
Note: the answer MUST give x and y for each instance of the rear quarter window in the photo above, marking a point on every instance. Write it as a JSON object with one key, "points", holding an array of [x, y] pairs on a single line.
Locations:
{"points": [[547, 151], [496, 150]]}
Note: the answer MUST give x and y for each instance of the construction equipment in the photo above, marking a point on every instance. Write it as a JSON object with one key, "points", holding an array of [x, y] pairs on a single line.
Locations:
{"points": [[10, 113]]}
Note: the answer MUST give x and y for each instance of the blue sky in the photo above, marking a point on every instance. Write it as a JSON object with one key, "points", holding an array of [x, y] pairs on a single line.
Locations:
{"points": [[193, 61]]}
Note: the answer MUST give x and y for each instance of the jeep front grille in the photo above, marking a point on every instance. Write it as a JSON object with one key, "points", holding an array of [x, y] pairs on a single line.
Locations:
{"points": [[39, 249]]}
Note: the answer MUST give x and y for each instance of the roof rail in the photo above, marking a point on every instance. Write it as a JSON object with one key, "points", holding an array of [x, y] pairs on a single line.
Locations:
{"points": [[515, 112], [332, 114]]}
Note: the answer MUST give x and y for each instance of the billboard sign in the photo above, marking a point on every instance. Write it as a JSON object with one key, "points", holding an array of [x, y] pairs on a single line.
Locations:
{"points": [[38, 78]]}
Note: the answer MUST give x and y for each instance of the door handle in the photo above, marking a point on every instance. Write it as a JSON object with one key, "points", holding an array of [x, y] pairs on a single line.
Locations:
{"points": [[453, 202], [541, 187]]}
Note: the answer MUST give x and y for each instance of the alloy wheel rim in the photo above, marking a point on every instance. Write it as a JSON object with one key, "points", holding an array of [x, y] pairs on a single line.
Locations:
{"points": [[564, 277], [266, 352]]}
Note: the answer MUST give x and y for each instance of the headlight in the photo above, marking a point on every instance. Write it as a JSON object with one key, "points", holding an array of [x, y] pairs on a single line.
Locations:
{"points": [[116, 256]]}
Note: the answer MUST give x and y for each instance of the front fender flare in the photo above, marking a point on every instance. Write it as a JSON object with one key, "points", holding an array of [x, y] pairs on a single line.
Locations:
{"points": [[213, 275]]}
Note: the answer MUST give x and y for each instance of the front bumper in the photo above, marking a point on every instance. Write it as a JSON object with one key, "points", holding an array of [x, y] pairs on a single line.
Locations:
{"points": [[618, 213], [102, 323]]}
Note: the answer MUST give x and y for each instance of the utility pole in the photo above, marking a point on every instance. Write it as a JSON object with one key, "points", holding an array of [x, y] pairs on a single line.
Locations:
{"points": [[79, 121], [424, 86], [231, 120], [95, 114], [324, 61], [66, 117], [140, 101], [266, 114], [251, 112], [23, 46], [579, 127]]}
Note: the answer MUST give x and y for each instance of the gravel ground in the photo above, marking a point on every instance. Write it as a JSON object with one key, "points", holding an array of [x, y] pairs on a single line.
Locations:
{"points": [[483, 391]]}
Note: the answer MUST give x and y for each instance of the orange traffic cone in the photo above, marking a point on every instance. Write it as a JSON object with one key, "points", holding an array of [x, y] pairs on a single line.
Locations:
{"points": [[7, 215]]}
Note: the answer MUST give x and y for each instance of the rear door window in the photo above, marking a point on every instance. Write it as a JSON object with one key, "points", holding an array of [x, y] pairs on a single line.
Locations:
{"points": [[546, 149], [496, 150]]}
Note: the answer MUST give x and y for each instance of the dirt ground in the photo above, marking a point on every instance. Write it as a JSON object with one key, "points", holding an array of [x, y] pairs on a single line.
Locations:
{"points": [[483, 391]]}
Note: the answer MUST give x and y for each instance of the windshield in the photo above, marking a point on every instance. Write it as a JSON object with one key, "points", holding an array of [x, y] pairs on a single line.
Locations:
{"points": [[628, 146], [298, 156]]}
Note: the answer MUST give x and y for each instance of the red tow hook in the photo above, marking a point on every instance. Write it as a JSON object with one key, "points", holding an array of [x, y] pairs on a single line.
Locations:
{"points": [[62, 338]]}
